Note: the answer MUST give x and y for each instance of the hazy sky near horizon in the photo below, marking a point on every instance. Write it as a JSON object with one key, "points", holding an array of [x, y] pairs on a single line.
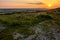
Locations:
{"points": [[29, 3]]}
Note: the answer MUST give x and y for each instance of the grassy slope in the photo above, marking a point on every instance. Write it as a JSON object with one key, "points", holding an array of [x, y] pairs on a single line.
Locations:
{"points": [[21, 22]]}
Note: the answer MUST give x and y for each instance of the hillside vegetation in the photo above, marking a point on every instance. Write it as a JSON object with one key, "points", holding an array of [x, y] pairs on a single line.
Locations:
{"points": [[28, 24]]}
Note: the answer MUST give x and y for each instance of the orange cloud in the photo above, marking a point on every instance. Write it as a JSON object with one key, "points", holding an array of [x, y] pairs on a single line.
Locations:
{"points": [[30, 4]]}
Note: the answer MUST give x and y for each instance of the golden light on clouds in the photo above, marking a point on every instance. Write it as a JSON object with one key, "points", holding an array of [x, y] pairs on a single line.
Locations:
{"points": [[24, 3]]}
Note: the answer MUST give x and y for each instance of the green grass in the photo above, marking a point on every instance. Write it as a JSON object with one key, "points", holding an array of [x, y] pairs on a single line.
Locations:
{"points": [[23, 21]]}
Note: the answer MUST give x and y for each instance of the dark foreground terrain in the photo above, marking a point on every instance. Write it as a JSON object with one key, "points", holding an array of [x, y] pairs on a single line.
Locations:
{"points": [[37, 25]]}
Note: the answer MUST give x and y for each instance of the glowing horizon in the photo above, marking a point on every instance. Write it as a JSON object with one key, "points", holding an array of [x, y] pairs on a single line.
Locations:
{"points": [[25, 3]]}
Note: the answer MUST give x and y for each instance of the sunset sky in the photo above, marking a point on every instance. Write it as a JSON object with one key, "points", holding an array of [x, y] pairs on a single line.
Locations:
{"points": [[29, 3]]}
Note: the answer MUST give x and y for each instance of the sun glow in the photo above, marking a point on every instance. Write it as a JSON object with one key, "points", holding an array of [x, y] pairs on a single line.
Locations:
{"points": [[49, 5]]}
